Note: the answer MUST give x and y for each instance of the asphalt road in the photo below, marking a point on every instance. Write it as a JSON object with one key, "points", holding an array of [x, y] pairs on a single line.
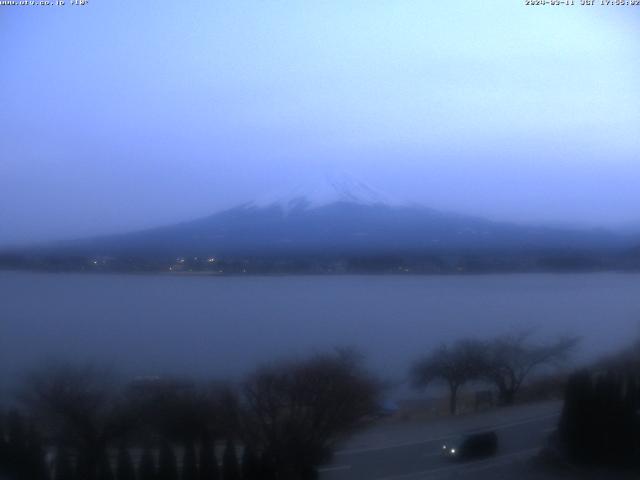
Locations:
{"points": [[411, 451]]}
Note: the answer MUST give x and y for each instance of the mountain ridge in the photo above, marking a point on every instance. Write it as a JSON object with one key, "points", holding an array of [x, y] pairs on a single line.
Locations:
{"points": [[344, 219], [332, 188]]}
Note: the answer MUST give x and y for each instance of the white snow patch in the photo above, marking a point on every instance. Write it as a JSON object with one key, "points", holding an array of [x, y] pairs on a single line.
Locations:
{"points": [[331, 189]]}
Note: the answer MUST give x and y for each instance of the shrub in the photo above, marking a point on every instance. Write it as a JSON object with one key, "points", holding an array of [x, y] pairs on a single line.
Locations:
{"points": [[600, 423]]}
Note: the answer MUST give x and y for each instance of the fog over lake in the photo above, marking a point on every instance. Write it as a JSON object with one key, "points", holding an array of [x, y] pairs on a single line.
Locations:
{"points": [[225, 326]]}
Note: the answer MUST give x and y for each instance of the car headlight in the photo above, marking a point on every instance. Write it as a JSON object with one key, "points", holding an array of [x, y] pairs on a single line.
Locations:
{"points": [[453, 451]]}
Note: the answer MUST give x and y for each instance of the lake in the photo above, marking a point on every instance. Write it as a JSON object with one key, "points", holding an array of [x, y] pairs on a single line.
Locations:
{"points": [[225, 326]]}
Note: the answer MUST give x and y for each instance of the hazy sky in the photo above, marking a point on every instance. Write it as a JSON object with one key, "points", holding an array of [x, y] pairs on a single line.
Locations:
{"points": [[121, 115]]}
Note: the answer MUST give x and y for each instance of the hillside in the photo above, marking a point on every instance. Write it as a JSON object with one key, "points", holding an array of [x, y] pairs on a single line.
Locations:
{"points": [[344, 220]]}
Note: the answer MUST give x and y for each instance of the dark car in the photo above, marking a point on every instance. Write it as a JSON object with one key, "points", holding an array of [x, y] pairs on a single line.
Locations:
{"points": [[476, 445]]}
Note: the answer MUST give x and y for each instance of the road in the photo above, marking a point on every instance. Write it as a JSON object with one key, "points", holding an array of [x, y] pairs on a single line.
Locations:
{"points": [[411, 451]]}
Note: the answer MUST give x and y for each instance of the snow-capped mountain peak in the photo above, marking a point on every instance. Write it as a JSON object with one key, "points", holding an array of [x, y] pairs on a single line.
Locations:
{"points": [[331, 189]]}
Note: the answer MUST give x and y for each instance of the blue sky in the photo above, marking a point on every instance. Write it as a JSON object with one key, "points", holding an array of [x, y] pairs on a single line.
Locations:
{"points": [[123, 115]]}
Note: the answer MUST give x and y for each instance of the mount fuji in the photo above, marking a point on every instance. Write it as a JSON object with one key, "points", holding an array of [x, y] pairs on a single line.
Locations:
{"points": [[339, 215], [336, 219], [333, 188]]}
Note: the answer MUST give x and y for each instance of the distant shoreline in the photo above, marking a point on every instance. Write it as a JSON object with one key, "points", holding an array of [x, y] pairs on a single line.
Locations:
{"points": [[327, 274]]}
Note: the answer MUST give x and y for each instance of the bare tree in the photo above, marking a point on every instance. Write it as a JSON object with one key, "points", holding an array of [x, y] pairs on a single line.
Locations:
{"points": [[293, 413], [509, 359], [181, 410], [454, 365], [80, 408]]}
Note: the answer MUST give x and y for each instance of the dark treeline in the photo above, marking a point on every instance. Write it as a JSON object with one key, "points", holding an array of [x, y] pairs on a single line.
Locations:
{"points": [[22, 451], [281, 423], [285, 419], [413, 263], [600, 423]]}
